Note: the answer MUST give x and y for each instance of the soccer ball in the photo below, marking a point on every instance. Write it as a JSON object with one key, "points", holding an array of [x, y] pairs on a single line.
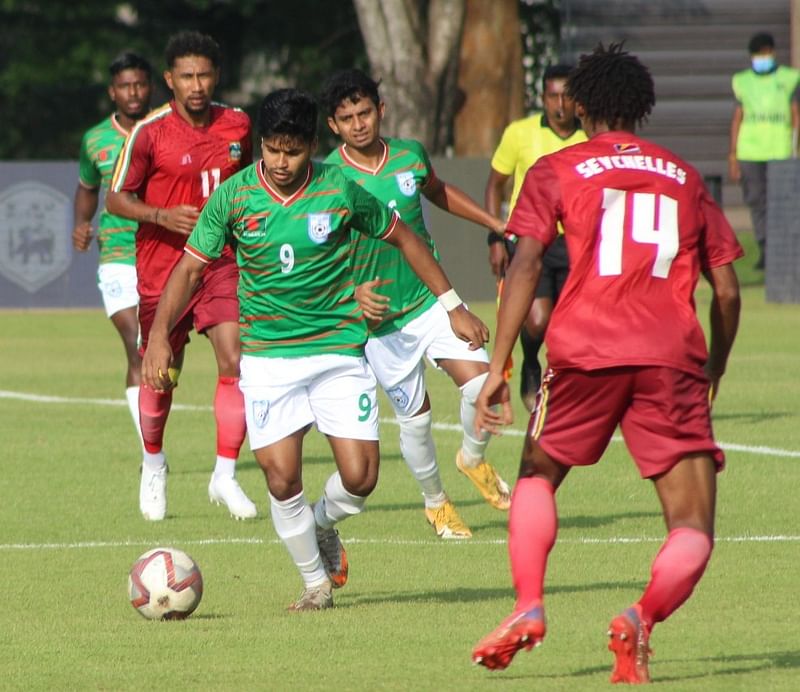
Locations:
{"points": [[165, 584]]}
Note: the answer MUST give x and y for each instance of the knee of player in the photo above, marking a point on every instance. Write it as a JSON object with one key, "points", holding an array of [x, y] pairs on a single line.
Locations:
{"points": [[471, 388], [363, 482]]}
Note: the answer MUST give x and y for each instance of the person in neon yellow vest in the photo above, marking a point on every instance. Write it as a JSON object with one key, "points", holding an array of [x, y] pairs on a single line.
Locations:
{"points": [[764, 127]]}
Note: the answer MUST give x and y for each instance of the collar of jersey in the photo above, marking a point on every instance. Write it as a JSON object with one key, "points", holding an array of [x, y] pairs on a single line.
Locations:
{"points": [[364, 169], [277, 196]]}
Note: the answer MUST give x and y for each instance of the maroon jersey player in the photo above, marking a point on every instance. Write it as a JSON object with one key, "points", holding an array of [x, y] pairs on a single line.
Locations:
{"points": [[171, 163], [624, 348]]}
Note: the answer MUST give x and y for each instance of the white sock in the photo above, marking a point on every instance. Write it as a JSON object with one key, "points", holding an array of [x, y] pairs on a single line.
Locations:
{"points": [[132, 395], [225, 467], [294, 523], [472, 448], [154, 461], [419, 453], [336, 503]]}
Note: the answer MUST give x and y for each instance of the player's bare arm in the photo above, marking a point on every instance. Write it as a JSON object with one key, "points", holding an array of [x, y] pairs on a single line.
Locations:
{"points": [[492, 200], [158, 357], [179, 219], [85, 206], [454, 200], [466, 326], [520, 285], [724, 321], [733, 164], [373, 304]]}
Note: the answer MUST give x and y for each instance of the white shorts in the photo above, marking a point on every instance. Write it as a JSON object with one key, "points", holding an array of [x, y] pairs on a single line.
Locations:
{"points": [[283, 395], [398, 358], [117, 284]]}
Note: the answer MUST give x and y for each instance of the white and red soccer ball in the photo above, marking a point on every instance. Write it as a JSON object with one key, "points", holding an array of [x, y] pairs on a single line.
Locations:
{"points": [[165, 584]]}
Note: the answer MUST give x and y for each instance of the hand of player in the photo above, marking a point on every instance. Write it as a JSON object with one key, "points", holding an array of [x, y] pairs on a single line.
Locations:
{"points": [[180, 219], [374, 305], [498, 259], [468, 327], [487, 417], [82, 236], [156, 364]]}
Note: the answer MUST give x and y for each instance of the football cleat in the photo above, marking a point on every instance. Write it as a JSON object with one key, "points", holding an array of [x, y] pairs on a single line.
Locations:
{"points": [[520, 630], [446, 522], [153, 492], [629, 640], [225, 490], [488, 482], [333, 556], [314, 598]]}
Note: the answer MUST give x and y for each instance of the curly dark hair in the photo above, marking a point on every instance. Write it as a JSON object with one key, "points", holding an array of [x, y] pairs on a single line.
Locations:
{"points": [[348, 85], [290, 113], [192, 43], [613, 87]]}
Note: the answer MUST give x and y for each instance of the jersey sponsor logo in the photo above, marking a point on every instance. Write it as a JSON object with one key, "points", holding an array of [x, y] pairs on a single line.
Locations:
{"points": [[235, 151], [251, 229], [34, 233], [260, 412], [186, 159], [398, 396], [319, 227], [407, 183]]}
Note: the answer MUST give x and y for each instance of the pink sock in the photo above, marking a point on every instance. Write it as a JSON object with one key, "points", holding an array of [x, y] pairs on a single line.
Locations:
{"points": [[532, 527], [229, 414], [153, 412], [676, 570]]}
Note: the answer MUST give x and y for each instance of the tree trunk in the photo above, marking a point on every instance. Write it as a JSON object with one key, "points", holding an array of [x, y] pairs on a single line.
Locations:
{"points": [[416, 58], [489, 75]]}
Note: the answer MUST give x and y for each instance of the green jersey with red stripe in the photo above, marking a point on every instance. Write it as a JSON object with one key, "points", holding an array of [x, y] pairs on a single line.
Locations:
{"points": [[296, 290], [99, 148], [397, 181]]}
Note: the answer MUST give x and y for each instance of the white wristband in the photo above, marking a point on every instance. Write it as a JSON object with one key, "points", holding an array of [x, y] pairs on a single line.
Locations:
{"points": [[449, 300]]}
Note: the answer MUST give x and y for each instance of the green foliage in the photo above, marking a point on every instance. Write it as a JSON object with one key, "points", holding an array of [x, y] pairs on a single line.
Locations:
{"points": [[54, 57]]}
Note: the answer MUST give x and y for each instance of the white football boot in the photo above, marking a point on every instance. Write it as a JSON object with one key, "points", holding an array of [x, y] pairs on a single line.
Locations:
{"points": [[153, 493], [226, 490]]}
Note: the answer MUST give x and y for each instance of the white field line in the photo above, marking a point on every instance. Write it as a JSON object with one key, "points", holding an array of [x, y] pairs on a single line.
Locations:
{"points": [[614, 540], [450, 427]]}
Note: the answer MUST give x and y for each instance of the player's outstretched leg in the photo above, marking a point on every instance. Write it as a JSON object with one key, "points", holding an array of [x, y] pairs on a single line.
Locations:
{"points": [[223, 488], [520, 630], [419, 453], [470, 458]]}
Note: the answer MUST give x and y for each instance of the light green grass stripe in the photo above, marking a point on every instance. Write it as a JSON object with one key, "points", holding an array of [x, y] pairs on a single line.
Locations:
{"points": [[451, 427]]}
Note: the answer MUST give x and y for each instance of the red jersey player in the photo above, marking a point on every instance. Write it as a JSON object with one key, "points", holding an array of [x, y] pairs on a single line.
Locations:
{"points": [[624, 347], [171, 163]]}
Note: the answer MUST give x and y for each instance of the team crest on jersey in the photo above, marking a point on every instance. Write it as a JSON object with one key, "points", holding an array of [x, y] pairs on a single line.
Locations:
{"points": [[34, 232], [235, 151], [629, 148], [319, 227], [260, 412], [407, 183], [398, 396]]}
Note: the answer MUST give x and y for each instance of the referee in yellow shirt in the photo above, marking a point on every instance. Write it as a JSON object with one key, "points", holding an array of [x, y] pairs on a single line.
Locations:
{"points": [[523, 142]]}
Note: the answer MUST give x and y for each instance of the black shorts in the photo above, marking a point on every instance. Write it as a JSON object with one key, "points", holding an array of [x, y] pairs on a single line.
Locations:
{"points": [[555, 267]]}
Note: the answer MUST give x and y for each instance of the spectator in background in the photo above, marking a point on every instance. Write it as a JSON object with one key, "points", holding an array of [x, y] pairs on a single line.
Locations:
{"points": [[523, 143], [763, 128], [129, 90]]}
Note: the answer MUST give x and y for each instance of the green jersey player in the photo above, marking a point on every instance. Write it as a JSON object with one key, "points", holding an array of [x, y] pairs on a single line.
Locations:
{"points": [[291, 222], [129, 90], [407, 324]]}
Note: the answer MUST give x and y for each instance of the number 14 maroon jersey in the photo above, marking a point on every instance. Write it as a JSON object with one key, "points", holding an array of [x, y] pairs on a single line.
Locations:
{"points": [[640, 226]]}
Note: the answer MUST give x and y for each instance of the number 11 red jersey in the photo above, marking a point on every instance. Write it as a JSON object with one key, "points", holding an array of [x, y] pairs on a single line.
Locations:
{"points": [[640, 226], [167, 162]]}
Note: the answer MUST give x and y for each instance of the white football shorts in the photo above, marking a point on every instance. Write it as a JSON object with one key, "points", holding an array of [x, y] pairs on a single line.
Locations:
{"points": [[117, 284], [398, 358], [282, 395]]}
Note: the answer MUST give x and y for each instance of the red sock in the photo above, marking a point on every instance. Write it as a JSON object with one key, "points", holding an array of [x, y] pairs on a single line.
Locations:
{"points": [[229, 414], [676, 570], [532, 527], [153, 412]]}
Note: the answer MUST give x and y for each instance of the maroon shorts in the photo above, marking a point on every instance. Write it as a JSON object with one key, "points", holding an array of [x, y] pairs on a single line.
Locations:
{"points": [[215, 301], [663, 413]]}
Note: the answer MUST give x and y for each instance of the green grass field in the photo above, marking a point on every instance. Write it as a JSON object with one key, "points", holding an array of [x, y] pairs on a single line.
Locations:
{"points": [[414, 606]]}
